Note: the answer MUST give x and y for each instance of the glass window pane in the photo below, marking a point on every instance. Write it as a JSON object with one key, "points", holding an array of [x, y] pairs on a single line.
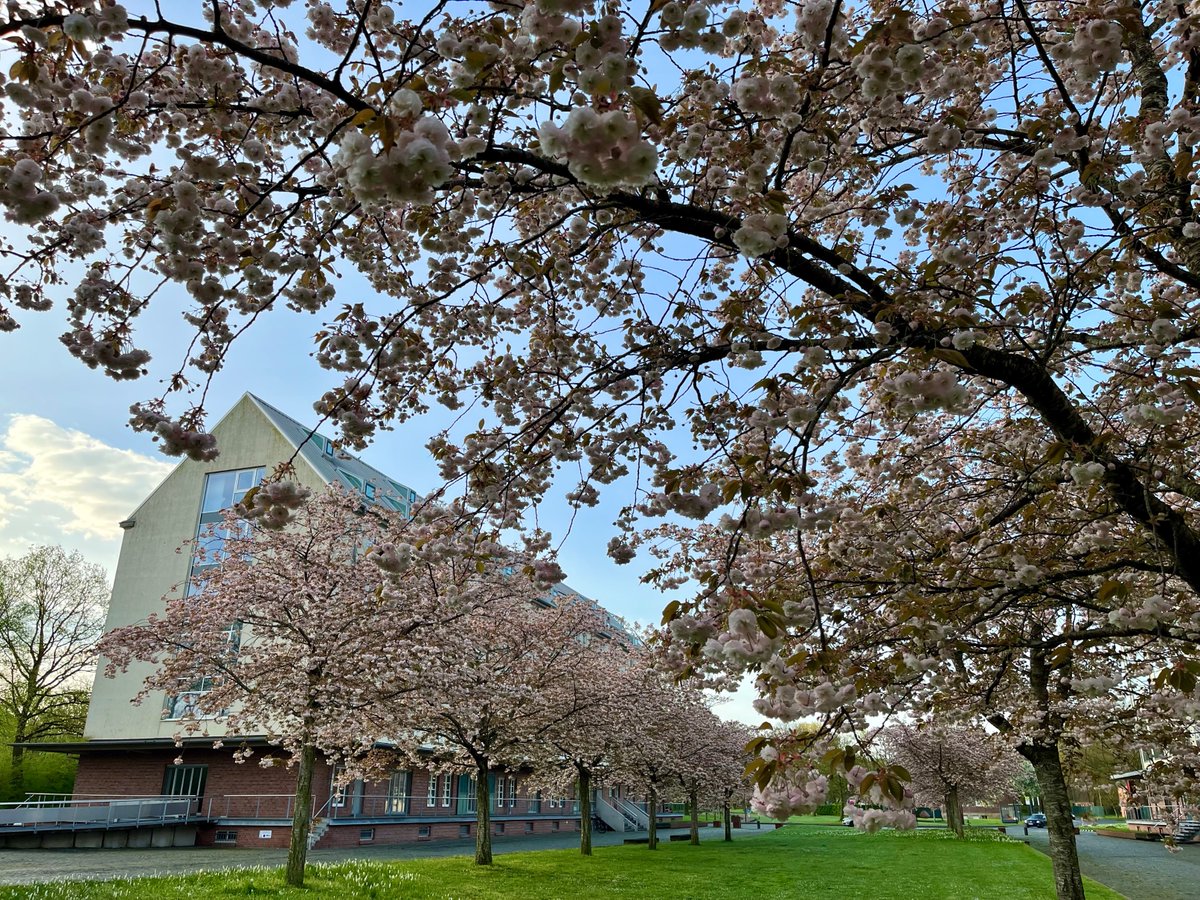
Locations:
{"points": [[218, 491]]}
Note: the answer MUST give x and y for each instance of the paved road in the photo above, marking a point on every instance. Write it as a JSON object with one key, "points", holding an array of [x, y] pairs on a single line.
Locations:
{"points": [[1141, 870], [30, 866]]}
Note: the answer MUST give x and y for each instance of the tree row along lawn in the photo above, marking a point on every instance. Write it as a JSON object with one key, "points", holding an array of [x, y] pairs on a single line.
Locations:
{"points": [[793, 862]]}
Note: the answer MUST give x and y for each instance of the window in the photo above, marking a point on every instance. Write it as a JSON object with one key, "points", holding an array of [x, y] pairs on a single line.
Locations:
{"points": [[431, 798], [184, 781], [369, 491], [499, 828], [512, 792], [225, 837], [338, 793], [554, 825], [529, 828], [425, 832], [472, 794], [328, 447], [397, 799], [535, 802], [500, 793], [446, 791], [464, 830], [366, 835]]}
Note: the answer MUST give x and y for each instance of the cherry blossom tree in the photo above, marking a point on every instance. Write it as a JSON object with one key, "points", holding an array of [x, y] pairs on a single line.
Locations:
{"points": [[657, 738], [576, 751], [949, 765], [310, 634], [516, 672], [713, 771]]}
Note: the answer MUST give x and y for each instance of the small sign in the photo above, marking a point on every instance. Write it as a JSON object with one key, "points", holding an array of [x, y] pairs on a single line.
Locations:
{"points": [[264, 833]]}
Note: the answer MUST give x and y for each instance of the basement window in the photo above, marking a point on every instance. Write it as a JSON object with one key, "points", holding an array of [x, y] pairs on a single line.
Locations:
{"points": [[225, 837], [499, 828], [554, 825], [529, 828], [424, 832], [366, 835], [464, 830]]}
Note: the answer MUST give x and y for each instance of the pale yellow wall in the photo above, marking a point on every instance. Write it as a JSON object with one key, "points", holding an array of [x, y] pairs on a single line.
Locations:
{"points": [[149, 568]]}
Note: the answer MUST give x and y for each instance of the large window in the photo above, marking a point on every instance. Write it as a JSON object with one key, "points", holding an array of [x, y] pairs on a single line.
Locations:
{"points": [[184, 781], [431, 798], [397, 796], [221, 491]]}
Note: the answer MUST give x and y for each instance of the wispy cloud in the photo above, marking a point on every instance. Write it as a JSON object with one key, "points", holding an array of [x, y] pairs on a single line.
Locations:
{"points": [[60, 486]]}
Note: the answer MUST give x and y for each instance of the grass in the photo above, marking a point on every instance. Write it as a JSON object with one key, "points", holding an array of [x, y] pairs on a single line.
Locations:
{"points": [[792, 862]]}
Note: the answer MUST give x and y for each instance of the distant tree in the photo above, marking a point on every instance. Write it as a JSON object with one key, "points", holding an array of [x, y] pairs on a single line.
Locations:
{"points": [[951, 764], [512, 673], [51, 613]]}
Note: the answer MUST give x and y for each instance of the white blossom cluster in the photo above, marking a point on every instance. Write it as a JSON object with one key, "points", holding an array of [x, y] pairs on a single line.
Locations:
{"points": [[877, 809], [273, 503], [761, 233], [742, 641], [173, 437], [789, 793], [604, 150], [21, 194], [406, 172], [787, 702], [1093, 48], [913, 392]]}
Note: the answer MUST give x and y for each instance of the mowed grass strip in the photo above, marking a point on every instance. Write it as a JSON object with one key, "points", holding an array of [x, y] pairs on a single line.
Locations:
{"points": [[789, 864]]}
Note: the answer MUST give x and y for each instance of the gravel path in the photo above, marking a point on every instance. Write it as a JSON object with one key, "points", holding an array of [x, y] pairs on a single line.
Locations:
{"points": [[31, 866], [1141, 870]]}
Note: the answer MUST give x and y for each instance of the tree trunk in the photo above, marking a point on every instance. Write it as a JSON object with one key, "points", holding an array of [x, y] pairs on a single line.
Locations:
{"points": [[652, 808], [16, 772], [1056, 803], [954, 813], [694, 803], [301, 817], [483, 818], [728, 819], [585, 811]]}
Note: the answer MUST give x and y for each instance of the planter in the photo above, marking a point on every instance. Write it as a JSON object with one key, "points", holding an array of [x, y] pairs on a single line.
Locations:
{"points": [[736, 821]]}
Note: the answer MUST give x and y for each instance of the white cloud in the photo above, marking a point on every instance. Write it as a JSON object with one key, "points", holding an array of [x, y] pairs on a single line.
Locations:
{"points": [[60, 486]]}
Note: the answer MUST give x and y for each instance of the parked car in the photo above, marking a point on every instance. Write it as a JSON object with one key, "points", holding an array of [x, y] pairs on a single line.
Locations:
{"points": [[1037, 820]]}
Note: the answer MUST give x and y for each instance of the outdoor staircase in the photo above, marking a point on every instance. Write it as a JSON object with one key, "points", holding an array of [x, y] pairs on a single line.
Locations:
{"points": [[613, 813], [1187, 830], [317, 831]]}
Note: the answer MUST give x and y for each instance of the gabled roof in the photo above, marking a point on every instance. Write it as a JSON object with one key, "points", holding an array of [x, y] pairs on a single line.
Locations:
{"points": [[334, 465]]}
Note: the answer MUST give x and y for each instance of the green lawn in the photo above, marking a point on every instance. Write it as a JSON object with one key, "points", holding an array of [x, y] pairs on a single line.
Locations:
{"points": [[790, 863]]}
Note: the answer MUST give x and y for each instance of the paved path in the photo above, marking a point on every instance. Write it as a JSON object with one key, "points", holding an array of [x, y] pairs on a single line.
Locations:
{"points": [[1141, 870], [31, 866]]}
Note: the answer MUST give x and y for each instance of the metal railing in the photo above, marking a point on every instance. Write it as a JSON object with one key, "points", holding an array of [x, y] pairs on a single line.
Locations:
{"points": [[97, 811]]}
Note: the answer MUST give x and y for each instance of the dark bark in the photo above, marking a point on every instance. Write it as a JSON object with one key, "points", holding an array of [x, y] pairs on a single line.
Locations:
{"points": [[954, 813], [301, 817], [728, 819], [694, 803], [483, 817], [1056, 803], [585, 810], [651, 809]]}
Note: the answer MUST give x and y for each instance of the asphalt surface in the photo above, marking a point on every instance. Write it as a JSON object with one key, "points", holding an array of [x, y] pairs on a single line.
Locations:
{"points": [[34, 866], [1141, 870]]}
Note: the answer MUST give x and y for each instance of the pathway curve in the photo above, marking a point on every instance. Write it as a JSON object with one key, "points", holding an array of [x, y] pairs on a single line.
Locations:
{"points": [[1141, 870]]}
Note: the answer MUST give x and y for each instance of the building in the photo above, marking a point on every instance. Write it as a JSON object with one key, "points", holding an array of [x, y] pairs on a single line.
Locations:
{"points": [[136, 787]]}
